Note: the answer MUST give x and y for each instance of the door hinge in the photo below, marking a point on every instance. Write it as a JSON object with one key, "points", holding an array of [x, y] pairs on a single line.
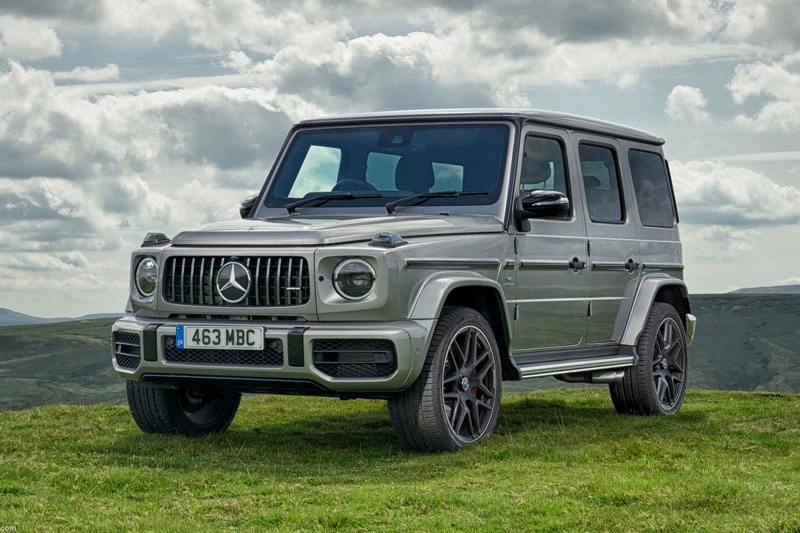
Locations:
{"points": [[589, 310], [516, 312], [588, 247], [516, 249]]}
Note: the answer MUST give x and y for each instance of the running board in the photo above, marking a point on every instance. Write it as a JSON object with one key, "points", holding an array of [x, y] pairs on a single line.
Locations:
{"points": [[552, 368]]}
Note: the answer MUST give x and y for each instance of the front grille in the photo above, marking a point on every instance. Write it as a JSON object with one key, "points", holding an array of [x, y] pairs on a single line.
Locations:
{"points": [[271, 355], [276, 281], [354, 358], [127, 350]]}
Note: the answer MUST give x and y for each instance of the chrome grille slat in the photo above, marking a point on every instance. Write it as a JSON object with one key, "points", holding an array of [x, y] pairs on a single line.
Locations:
{"points": [[183, 280], [258, 275], [191, 283], [284, 280], [266, 285], [278, 283]]}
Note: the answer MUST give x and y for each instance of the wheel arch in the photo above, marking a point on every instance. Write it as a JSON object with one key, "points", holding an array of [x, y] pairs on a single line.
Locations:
{"points": [[655, 288], [468, 289]]}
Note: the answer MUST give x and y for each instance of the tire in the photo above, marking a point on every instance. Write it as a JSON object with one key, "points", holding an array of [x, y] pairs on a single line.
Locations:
{"points": [[456, 398], [657, 383], [185, 412]]}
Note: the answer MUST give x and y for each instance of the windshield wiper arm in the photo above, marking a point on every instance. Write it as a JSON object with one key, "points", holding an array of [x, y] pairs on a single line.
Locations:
{"points": [[424, 197], [324, 198]]}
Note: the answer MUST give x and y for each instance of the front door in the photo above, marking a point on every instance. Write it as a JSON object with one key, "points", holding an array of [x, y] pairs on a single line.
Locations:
{"points": [[552, 281], [613, 239]]}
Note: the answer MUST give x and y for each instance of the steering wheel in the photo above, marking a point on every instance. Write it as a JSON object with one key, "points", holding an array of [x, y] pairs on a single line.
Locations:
{"points": [[351, 184]]}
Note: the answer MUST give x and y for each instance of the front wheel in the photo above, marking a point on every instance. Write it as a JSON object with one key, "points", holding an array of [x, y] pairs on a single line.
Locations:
{"points": [[187, 412], [456, 399], [656, 385]]}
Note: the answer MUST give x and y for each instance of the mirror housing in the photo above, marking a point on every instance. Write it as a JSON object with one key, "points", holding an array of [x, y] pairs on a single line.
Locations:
{"points": [[544, 204], [247, 205]]}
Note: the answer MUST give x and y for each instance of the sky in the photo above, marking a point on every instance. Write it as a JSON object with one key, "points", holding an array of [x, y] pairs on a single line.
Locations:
{"points": [[119, 117]]}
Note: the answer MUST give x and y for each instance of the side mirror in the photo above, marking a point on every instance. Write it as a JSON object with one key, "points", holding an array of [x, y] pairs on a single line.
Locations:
{"points": [[545, 204], [247, 205]]}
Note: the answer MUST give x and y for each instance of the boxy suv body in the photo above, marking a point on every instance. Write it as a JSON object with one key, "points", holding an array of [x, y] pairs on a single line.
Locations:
{"points": [[423, 258]]}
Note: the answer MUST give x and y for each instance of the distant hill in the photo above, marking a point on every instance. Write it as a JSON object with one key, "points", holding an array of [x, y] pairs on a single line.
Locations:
{"points": [[776, 289], [745, 342], [12, 318], [64, 362]]}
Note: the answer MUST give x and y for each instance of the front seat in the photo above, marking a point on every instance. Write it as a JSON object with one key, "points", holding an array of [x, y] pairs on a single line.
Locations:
{"points": [[414, 172]]}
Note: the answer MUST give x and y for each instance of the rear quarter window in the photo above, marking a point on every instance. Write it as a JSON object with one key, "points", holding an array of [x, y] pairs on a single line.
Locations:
{"points": [[652, 188]]}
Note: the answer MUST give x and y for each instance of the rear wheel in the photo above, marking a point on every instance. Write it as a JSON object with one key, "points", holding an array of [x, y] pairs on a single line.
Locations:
{"points": [[656, 385], [456, 399], [188, 412]]}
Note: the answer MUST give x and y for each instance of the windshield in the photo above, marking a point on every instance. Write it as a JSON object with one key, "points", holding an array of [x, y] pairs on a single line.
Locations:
{"points": [[380, 164]]}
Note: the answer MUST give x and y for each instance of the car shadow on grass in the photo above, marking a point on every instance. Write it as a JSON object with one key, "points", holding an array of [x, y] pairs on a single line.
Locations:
{"points": [[361, 438]]}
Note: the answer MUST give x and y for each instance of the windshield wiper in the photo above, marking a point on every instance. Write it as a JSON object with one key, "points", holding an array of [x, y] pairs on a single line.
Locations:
{"points": [[325, 198], [424, 197]]}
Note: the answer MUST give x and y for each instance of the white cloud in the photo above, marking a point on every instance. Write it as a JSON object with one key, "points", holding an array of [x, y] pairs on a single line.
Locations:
{"points": [[779, 84], [229, 24], [775, 21], [60, 262], [687, 104], [714, 193], [47, 132], [28, 39], [715, 242], [88, 74]]}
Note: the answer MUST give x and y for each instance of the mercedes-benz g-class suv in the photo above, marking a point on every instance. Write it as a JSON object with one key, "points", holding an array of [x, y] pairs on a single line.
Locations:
{"points": [[422, 258]]}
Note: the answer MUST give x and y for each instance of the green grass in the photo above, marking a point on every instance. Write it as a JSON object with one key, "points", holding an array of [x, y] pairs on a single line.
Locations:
{"points": [[559, 460]]}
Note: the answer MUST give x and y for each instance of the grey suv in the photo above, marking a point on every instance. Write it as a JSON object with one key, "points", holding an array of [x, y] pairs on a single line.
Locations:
{"points": [[422, 258]]}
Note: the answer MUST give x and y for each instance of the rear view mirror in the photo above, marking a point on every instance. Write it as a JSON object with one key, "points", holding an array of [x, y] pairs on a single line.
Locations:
{"points": [[247, 206], [545, 204]]}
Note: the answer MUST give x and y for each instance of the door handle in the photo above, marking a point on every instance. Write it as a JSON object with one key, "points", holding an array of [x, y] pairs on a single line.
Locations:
{"points": [[631, 266], [576, 265]]}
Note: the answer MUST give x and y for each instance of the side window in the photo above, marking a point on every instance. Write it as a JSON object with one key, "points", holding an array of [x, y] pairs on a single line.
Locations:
{"points": [[601, 183], [319, 171], [543, 166], [651, 185]]}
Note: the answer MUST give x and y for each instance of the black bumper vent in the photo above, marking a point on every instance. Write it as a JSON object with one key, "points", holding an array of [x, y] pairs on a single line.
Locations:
{"points": [[127, 350], [271, 355], [354, 358], [276, 281]]}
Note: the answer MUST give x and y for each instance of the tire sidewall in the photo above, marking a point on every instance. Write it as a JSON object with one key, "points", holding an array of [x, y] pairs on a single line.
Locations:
{"points": [[461, 318], [646, 348]]}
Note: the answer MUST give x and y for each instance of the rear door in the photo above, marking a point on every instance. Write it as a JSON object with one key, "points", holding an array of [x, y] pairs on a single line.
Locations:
{"points": [[611, 229]]}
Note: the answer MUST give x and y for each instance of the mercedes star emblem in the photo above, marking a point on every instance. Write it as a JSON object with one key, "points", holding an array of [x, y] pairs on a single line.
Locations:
{"points": [[233, 282]]}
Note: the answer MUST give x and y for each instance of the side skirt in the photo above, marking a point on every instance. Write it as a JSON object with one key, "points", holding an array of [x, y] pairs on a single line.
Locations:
{"points": [[574, 361]]}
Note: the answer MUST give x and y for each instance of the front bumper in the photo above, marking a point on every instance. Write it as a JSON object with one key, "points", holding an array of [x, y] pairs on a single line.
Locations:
{"points": [[297, 373]]}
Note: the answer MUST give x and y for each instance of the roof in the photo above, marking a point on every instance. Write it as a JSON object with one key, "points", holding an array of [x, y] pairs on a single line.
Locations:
{"points": [[549, 118]]}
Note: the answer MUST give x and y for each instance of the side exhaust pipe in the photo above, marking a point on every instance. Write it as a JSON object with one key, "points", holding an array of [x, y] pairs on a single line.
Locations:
{"points": [[606, 376]]}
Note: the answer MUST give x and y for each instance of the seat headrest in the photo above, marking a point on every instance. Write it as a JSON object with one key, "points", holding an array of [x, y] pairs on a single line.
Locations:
{"points": [[591, 182], [414, 172], [534, 171]]}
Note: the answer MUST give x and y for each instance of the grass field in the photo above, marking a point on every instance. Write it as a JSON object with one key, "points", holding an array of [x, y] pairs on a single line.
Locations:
{"points": [[560, 460]]}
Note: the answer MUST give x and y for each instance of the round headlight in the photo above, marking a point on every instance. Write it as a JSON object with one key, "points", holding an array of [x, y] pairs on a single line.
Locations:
{"points": [[354, 279], [146, 277]]}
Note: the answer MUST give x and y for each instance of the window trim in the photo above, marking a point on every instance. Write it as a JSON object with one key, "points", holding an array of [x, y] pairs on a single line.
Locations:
{"points": [[620, 188]]}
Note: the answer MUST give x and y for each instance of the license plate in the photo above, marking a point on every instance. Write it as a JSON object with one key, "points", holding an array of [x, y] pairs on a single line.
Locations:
{"points": [[219, 338]]}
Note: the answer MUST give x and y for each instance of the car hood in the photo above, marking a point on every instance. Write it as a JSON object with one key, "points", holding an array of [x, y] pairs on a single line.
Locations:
{"points": [[312, 231]]}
